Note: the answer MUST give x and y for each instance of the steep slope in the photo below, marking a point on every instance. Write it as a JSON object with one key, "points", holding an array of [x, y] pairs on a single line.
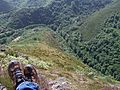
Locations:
{"points": [[57, 68], [97, 40], [102, 53], [95, 22]]}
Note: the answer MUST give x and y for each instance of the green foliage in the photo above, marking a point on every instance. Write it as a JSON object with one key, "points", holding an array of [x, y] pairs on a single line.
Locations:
{"points": [[5, 80], [72, 22], [8, 34], [58, 13], [102, 53], [4, 7], [94, 24], [17, 4]]}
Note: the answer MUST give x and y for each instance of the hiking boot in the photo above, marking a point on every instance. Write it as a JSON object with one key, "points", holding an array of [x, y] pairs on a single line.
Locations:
{"points": [[15, 72], [2, 87], [31, 73]]}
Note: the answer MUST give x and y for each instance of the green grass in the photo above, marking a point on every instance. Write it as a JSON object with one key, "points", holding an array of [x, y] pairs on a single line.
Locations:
{"points": [[42, 46], [5, 80], [95, 22], [34, 36], [51, 59]]}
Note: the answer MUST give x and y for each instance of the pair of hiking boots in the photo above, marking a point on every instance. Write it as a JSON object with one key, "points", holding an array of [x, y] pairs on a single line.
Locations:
{"points": [[19, 74]]}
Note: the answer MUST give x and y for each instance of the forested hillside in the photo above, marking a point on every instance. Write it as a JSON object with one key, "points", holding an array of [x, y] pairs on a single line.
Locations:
{"points": [[95, 22], [59, 13], [103, 52], [18, 4], [98, 45], [4, 6]]}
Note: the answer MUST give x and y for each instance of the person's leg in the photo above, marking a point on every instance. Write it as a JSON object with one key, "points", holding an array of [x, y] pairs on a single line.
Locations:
{"points": [[15, 72], [21, 82], [31, 77], [27, 85]]}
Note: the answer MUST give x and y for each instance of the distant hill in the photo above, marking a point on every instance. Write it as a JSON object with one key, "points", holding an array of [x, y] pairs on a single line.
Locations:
{"points": [[18, 4], [102, 52], [95, 22], [58, 13], [97, 40], [4, 6]]}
